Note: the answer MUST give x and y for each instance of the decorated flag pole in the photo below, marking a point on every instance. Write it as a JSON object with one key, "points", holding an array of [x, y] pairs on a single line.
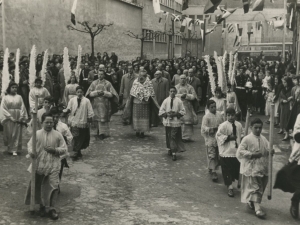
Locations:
{"points": [[3, 25], [271, 142], [284, 31], [33, 160]]}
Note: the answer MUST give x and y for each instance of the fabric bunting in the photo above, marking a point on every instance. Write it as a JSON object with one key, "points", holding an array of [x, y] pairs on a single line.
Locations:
{"points": [[226, 14], [238, 38], [258, 5], [211, 6], [230, 28], [185, 23], [258, 24], [156, 6], [165, 15], [73, 19], [250, 31], [246, 4], [176, 17], [185, 4], [278, 24]]}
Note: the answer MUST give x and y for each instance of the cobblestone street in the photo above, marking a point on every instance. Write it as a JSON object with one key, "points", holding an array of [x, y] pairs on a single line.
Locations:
{"points": [[127, 180]]}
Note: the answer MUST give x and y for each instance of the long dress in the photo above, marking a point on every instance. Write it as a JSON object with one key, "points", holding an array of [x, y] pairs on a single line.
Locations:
{"points": [[47, 166], [12, 107], [24, 89], [41, 93], [70, 92], [104, 106], [254, 171], [140, 105], [190, 118], [284, 107]]}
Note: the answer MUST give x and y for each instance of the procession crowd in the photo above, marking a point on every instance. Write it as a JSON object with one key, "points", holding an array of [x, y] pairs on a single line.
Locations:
{"points": [[150, 93]]}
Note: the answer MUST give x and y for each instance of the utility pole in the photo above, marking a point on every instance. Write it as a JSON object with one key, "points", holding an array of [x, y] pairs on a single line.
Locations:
{"points": [[284, 31], [3, 25]]}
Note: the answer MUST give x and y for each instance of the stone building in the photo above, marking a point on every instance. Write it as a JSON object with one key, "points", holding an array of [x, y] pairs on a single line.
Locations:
{"points": [[218, 42], [44, 23]]}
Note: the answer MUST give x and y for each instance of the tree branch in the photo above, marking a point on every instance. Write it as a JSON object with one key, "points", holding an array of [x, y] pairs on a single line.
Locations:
{"points": [[73, 28]]}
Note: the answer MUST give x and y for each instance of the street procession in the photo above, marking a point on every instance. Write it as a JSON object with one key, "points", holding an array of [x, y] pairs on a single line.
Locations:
{"points": [[150, 112]]}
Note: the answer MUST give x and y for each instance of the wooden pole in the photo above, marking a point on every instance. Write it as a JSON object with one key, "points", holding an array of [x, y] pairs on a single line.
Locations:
{"points": [[225, 107], [284, 31], [33, 161], [3, 25], [245, 133], [153, 48], [271, 142], [298, 43]]}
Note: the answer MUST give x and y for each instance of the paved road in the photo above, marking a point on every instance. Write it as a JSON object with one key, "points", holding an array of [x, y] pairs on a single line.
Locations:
{"points": [[127, 180]]}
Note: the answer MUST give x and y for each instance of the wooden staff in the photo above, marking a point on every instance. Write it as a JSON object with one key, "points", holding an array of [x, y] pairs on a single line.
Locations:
{"points": [[271, 141], [225, 107], [246, 133], [33, 160]]}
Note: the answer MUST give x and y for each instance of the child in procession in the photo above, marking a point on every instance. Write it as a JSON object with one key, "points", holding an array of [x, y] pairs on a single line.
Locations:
{"points": [[253, 154], [229, 138], [210, 124]]}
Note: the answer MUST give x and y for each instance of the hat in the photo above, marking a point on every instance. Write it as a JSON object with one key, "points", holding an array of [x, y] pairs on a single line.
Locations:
{"points": [[297, 137]]}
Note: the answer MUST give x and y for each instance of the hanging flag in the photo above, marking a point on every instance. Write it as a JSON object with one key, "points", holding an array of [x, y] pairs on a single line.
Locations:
{"points": [[198, 22], [176, 17], [258, 24], [211, 6], [156, 6], [258, 5], [191, 24], [240, 36], [290, 17], [208, 19], [226, 14], [184, 24], [73, 20], [246, 4], [165, 15], [250, 31], [278, 24], [277, 18], [203, 30], [185, 4], [230, 28]]}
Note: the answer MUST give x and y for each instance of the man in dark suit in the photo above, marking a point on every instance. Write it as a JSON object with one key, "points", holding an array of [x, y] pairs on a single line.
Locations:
{"points": [[121, 72]]}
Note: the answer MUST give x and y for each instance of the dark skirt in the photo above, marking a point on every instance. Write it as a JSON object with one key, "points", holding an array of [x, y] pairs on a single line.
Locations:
{"points": [[81, 138], [288, 178], [174, 139], [230, 169], [293, 116], [284, 115]]}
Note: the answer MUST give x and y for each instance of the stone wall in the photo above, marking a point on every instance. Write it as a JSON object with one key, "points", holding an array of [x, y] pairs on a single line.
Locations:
{"points": [[43, 23]]}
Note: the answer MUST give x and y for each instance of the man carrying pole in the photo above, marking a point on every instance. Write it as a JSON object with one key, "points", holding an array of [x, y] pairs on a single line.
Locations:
{"points": [[50, 145]]}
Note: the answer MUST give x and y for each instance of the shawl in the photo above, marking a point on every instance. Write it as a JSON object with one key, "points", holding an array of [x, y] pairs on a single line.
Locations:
{"points": [[142, 91]]}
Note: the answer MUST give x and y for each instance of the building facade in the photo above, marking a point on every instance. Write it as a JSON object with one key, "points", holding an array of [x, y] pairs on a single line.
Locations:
{"points": [[44, 23]]}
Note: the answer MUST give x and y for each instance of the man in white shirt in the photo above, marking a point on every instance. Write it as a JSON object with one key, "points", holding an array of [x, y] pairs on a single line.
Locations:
{"points": [[172, 110]]}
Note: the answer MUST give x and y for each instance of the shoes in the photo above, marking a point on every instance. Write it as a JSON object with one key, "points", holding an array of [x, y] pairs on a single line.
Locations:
{"points": [[15, 153], [42, 211], [101, 137], [230, 193], [214, 176], [260, 214], [174, 158], [280, 132], [286, 138], [169, 152], [53, 214], [251, 205], [294, 210]]}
